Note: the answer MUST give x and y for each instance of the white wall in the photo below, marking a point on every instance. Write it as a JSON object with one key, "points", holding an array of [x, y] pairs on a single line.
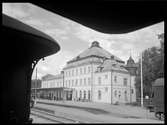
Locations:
{"points": [[105, 84]]}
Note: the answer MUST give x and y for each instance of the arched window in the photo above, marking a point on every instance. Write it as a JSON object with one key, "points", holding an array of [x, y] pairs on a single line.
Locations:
{"points": [[99, 95], [84, 94], [126, 97]]}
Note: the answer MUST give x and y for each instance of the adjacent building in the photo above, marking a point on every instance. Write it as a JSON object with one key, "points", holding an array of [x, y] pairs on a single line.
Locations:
{"points": [[94, 75]]}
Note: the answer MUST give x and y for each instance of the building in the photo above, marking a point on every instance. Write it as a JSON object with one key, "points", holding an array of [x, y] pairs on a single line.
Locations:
{"points": [[95, 75], [35, 86], [114, 83], [82, 75], [53, 88]]}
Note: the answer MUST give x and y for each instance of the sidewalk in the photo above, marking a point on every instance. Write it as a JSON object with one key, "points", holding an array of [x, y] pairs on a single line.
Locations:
{"points": [[123, 110]]}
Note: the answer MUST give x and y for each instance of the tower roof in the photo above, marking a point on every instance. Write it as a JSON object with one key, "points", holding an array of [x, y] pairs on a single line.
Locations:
{"points": [[131, 62], [97, 51]]}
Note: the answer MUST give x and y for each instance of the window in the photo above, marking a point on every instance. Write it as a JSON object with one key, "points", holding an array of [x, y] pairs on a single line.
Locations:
{"points": [[88, 94], [106, 89], [125, 81], [72, 72], [89, 69], [84, 70], [80, 81], [76, 82], [106, 76], [69, 74], [115, 93], [72, 82], [126, 97], [99, 80], [69, 83], [88, 81], [119, 94], [84, 81], [132, 91], [76, 94], [84, 94], [76, 71], [115, 79], [80, 71], [99, 94], [80, 94]]}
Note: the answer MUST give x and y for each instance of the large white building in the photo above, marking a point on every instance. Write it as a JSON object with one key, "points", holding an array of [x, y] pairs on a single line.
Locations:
{"points": [[97, 75]]}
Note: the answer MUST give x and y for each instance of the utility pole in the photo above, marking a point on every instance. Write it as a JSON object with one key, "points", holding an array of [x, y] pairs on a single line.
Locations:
{"points": [[130, 81], [141, 82]]}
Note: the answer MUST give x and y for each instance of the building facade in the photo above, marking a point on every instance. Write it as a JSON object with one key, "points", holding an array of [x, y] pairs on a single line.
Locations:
{"points": [[96, 75], [35, 86]]}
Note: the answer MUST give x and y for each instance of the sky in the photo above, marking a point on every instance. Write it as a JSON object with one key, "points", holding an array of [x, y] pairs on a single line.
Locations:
{"points": [[74, 38]]}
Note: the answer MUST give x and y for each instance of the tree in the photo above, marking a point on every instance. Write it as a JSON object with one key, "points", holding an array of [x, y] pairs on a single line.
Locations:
{"points": [[153, 67]]}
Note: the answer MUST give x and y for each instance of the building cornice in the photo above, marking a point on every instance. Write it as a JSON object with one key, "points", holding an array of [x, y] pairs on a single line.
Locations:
{"points": [[125, 72]]}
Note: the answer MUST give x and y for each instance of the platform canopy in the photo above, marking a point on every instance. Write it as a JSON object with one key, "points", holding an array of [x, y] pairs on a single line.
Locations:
{"points": [[25, 42]]}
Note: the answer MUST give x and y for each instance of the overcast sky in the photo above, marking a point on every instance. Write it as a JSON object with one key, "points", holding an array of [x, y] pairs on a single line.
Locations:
{"points": [[75, 38]]}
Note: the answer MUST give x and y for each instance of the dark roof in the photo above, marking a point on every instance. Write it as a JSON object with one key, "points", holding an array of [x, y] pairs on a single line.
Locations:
{"points": [[51, 77], [131, 62], [97, 51], [159, 82]]}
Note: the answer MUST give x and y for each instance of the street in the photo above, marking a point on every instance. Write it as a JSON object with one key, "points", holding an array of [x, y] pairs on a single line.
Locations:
{"points": [[89, 112]]}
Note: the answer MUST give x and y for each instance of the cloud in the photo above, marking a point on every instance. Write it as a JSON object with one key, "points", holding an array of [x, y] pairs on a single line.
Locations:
{"points": [[121, 44], [54, 64]]}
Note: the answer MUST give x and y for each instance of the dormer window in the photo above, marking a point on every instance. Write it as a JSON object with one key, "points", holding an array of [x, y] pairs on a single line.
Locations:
{"points": [[112, 57], [95, 44], [100, 69], [114, 65], [78, 57]]}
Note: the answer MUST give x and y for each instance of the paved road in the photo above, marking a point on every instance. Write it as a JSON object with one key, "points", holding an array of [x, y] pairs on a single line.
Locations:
{"points": [[98, 113]]}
